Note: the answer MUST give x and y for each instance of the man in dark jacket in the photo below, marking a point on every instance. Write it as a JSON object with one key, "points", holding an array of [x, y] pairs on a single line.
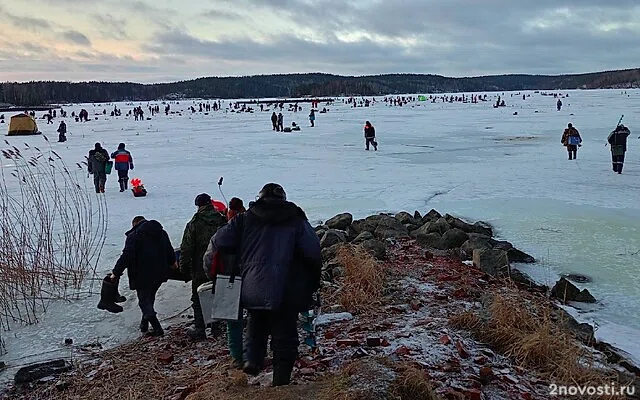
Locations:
{"points": [[97, 165], [123, 163], [571, 140], [147, 256], [274, 121], [62, 132], [370, 136], [279, 256], [618, 141], [197, 234]]}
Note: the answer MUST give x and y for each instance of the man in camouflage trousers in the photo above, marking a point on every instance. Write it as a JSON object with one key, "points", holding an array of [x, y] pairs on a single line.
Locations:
{"points": [[197, 234]]}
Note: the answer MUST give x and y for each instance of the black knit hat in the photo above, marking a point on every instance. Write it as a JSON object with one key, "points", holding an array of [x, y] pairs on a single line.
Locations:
{"points": [[202, 199], [273, 191]]}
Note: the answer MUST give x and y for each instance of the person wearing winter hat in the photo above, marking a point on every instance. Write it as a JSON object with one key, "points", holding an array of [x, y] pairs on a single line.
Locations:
{"points": [[123, 163], [97, 166], [278, 253], [147, 256], [203, 225]]}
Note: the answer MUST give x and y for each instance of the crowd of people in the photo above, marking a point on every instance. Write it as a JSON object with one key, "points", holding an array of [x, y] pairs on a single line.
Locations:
{"points": [[273, 246]]}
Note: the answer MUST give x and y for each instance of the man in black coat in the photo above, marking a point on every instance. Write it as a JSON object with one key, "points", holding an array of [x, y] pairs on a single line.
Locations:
{"points": [[97, 165], [370, 136], [618, 141], [279, 256], [147, 256]]}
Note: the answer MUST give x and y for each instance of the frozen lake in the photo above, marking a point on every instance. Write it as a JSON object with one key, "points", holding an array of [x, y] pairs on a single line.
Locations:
{"points": [[509, 170]]}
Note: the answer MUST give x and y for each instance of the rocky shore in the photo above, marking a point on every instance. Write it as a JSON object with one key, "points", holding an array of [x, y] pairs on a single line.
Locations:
{"points": [[413, 307]]}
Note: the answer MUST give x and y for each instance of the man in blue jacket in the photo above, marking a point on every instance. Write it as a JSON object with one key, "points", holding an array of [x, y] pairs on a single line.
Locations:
{"points": [[123, 163], [278, 253]]}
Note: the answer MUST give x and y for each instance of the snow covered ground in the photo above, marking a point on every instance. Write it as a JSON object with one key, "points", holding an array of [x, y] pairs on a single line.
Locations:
{"points": [[478, 162]]}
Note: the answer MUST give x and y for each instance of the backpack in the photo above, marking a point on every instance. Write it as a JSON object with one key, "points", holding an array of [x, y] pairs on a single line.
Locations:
{"points": [[100, 156]]}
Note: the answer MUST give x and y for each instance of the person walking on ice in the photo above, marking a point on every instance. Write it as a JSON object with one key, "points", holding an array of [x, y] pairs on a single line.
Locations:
{"points": [[123, 163], [618, 141], [571, 140], [370, 136], [97, 166]]}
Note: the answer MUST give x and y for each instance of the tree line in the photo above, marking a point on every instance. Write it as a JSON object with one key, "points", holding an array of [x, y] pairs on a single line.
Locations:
{"points": [[296, 85]]}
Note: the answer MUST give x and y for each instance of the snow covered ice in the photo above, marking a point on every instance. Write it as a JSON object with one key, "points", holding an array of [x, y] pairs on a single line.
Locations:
{"points": [[466, 159]]}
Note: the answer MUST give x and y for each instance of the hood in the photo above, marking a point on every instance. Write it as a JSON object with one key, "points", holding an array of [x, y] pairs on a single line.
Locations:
{"points": [[150, 228], [209, 215], [275, 211]]}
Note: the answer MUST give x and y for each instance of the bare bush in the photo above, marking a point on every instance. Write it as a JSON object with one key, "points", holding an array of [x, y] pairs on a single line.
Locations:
{"points": [[52, 232]]}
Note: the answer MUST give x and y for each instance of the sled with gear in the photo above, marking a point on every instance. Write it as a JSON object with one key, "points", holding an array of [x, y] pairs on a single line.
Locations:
{"points": [[21, 125], [137, 188]]}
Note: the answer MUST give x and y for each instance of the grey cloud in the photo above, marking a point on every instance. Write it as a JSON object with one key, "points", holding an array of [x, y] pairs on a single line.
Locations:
{"points": [[222, 15], [111, 27], [76, 37]]}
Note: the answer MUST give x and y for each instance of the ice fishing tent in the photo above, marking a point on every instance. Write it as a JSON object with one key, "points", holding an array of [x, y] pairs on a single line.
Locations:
{"points": [[22, 124]]}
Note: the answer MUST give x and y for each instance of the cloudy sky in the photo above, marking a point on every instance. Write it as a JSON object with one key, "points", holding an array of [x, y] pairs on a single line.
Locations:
{"points": [[166, 40]]}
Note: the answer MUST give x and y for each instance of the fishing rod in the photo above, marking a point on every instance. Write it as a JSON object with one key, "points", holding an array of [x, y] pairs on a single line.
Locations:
{"points": [[221, 192], [617, 125]]}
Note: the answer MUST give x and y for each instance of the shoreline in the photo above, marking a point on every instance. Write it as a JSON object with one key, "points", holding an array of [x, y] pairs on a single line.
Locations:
{"points": [[429, 278]]}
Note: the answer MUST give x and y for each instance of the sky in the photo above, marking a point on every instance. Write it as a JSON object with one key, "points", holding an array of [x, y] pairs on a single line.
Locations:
{"points": [[167, 40]]}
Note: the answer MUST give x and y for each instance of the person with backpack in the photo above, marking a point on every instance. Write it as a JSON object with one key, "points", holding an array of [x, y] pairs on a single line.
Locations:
{"points": [[370, 136], [278, 254], [195, 240], [147, 256], [97, 166], [123, 163], [571, 140], [618, 141]]}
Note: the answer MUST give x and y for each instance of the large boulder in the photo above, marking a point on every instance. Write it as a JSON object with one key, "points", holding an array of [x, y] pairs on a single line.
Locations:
{"points": [[363, 237], [526, 281], [362, 225], [430, 240], [329, 253], [583, 331], [389, 227], [331, 237], [475, 241], [439, 226], [406, 218], [493, 262], [483, 228], [432, 215], [41, 370], [376, 248], [566, 291], [454, 238], [340, 221], [519, 256]]}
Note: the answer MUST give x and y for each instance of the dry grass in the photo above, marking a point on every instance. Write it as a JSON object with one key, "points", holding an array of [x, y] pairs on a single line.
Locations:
{"points": [[51, 232], [363, 283], [521, 327], [412, 384]]}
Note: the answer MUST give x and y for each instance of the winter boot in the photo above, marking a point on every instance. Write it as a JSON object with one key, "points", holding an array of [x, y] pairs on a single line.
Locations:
{"points": [[121, 185], [120, 298], [144, 325], [282, 373], [156, 328], [251, 368], [197, 333], [108, 294]]}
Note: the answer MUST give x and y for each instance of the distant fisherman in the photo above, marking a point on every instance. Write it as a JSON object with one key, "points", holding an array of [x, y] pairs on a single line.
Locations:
{"points": [[370, 136], [618, 141], [571, 140]]}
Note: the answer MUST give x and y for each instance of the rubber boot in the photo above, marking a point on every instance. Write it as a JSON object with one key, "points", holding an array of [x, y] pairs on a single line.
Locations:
{"points": [[144, 325], [251, 368], [108, 293], [156, 328], [282, 373], [121, 185]]}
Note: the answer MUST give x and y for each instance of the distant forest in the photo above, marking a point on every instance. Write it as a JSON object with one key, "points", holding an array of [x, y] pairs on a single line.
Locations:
{"points": [[300, 85]]}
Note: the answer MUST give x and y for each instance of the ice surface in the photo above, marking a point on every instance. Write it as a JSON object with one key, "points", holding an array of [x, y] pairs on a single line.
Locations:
{"points": [[326, 319], [510, 170]]}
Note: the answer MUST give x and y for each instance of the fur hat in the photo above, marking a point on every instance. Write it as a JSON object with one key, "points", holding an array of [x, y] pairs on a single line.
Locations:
{"points": [[273, 191]]}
